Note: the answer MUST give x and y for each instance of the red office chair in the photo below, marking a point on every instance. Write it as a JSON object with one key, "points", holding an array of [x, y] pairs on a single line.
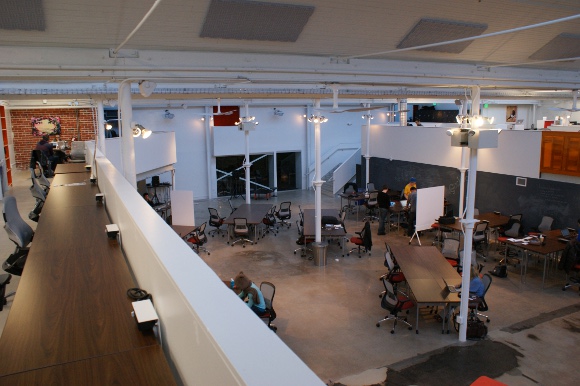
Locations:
{"points": [[395, 302], [394, 276], [363, 240], [197, 239]]}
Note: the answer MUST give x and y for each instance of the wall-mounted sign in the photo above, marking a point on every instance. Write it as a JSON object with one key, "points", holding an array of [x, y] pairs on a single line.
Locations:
{"points": [[45, 125], [511, 113]]}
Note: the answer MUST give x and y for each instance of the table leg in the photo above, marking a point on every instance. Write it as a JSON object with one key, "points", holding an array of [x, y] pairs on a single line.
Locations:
{"points": [[417, 319]]}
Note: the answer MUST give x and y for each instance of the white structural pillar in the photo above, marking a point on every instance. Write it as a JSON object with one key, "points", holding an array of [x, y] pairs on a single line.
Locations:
{"points": [[317, 178], [403, 112], [127, 144], [368, 117], [101, 127], [463, 168], [247, 163], [469, 223]]}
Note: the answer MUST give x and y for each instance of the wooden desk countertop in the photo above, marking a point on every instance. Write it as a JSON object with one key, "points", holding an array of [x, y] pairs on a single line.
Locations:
{"points": [[75, 167], [253, 213]]}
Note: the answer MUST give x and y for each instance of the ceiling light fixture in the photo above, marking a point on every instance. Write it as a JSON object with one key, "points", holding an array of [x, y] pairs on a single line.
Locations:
{"points": [[317, 119], [168, 115], [139, 130], [278, 112], [146, 87]]}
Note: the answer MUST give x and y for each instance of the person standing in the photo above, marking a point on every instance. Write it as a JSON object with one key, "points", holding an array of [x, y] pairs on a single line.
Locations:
{"points": [[412, 208], [383, 202], [407, 190]]}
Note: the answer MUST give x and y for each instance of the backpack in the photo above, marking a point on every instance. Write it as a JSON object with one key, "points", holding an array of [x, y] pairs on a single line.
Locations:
{"points": [[499, 271], [476, 329]]}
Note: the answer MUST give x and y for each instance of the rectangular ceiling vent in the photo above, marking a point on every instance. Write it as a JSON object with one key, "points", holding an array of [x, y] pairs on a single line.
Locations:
{"points": [[561, 47], [428, 31], [25, 15], [255, 20]]}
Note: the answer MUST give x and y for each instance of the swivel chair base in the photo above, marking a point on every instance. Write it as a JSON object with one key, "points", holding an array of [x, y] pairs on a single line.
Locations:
{"points": [[243, 241]]}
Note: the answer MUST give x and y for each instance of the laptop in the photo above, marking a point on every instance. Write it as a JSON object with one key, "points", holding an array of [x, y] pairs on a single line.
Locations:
{"points": [[404, 202], [450, 288], [565, 235]]}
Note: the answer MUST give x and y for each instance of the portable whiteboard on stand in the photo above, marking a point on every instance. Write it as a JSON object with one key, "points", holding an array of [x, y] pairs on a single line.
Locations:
{"points": [[427, 211]]}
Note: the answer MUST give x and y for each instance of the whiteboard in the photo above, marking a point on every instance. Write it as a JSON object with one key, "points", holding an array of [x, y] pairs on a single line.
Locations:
{"points": [[182, 207], [430, 203]]}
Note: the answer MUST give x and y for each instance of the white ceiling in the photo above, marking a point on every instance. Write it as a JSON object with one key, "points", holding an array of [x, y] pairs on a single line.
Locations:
{"points": [[343, 44]]}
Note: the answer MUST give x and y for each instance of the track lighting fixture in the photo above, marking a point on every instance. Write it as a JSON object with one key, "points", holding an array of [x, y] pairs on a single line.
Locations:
{"points": [[168, 115]]}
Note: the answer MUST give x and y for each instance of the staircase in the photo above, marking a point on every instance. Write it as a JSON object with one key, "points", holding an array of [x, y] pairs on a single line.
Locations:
{"points": [[327, 186]]}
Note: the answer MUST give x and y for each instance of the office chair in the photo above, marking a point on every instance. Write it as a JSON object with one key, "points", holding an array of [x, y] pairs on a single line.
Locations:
{"points": [[364, 239], [545, 226], [242, 232], [372, 204], [284, 213], [37, 156], [216, 221], [198, 239], [480, 304], [268, 291], [4, 281], [394, 275], [40, 195], [480, 238], [20, 233], [450, 250], [269, 221], [513, 229], [77, 151], [302, 241], [570, 264], [371, 187], [395, 302], [38, 175]]}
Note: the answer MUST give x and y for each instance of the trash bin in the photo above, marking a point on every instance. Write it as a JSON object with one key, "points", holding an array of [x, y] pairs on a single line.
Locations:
{"points": [[319, 252]]}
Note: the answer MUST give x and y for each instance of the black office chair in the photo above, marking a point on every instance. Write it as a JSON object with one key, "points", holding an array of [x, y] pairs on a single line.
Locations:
{"points": [[268, 291], [216, 221], [241, 232], [40, 195], [372, 204], [20, 233], [270, 222], [362, 240], [395, 302], [570, 263], [284, 213], [481, 238], [197, 239], [4, 281], [43, 161], [303, 241], [394, 276]]}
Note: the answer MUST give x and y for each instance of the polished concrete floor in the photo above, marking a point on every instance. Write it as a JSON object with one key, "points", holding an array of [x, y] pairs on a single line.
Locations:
{"points": [[327, 314]]}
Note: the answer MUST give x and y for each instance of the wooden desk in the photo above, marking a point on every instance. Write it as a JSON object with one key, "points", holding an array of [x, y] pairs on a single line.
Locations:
{"points": [[551, 248], [350, 197], [253, 213], [78, 167], [332, 233], [424, 269], [71, 318], [184, 230], [494, 220]]}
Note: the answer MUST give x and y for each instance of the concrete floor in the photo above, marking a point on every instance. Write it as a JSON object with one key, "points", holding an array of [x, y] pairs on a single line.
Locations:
{"points": [[327, 315]]}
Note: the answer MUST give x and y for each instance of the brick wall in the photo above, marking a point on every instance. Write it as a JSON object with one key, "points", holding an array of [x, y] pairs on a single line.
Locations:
{"points": [[24, 141]]}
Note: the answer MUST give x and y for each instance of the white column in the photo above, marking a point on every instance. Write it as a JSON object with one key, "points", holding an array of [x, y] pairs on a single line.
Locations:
{"points": [[247, 164], [127, 144], [463, 168], [403, 115], [469, 223], [317, 181], [101, 127], [211, 179], [368, 152]]}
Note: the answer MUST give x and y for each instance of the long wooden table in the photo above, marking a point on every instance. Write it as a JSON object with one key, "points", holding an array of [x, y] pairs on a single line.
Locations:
{"points": [[326, 233], [424, 269], [70, 322], [494, 220], [253, 213], [78, 167]]}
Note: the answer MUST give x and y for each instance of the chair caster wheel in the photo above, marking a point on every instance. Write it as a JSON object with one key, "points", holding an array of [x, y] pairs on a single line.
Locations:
{"points": [[208, 253], [378, 324], [232, 245], [488, 320], [243, 246], [410, 328], [392, 331]]}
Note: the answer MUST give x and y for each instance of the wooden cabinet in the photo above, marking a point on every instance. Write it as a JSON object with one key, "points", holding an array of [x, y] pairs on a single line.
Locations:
{"points": [[560, 153], [5, 144]]}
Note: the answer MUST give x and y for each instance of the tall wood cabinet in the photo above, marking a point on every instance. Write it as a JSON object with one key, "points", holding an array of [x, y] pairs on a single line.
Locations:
{"points": [[560, 153]]}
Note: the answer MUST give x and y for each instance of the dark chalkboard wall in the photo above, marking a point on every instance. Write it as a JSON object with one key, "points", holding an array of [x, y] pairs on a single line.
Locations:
{"points": [[494, 192]]}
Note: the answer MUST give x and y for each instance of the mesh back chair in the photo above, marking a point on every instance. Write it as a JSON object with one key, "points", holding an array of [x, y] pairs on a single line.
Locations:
{"points": [[20, 233], [513, 229], [545, 226], [481, 238], [450, 250], [268, 291], [395, 301], [241, 232], [303, 241], [476, 304], [270, 222], [372, 204], [197, 239], [216, 222], [394, 275], [371, 187], [284, 213]]}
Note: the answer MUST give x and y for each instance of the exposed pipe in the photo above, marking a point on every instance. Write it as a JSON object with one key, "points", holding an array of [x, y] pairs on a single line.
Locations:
{"points": [[116, 50], [518, 29]]}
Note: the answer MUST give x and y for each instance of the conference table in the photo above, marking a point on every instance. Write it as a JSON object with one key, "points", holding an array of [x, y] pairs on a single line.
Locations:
{"points": [[424, 269], [253, 213], [71, 168], [70, 321], [336, 231]]}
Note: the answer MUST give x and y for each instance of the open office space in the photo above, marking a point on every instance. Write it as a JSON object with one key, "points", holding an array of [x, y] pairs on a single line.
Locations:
{"points": [[183, 73]]}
